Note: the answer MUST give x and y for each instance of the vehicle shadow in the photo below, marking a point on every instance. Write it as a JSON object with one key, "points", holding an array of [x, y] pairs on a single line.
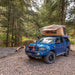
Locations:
{"points": [[37, 62]]}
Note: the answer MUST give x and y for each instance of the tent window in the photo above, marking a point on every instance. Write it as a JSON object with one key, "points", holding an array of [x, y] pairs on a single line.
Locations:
{"points": [[47, 31], [53, 31]]}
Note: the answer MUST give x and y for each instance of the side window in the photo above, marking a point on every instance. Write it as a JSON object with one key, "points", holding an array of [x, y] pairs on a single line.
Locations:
{"points": [[57, 40], [66, 39], [61, 40]]}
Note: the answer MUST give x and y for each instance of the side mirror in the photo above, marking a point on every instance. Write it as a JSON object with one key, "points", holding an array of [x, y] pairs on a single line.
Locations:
{"points": [[38, 37]]}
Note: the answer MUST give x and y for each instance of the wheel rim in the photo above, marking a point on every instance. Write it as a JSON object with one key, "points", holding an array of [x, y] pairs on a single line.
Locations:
{"points": [[51, 57]]}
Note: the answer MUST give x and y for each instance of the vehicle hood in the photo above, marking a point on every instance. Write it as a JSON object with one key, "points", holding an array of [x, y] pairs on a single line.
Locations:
{"points": [[39, 44]]}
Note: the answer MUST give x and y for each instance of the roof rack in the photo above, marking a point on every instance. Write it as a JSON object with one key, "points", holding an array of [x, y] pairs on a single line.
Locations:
{"points": [[55, 36]]}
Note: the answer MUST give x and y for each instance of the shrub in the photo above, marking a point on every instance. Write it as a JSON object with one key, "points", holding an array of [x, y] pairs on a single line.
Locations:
{"points": [[27, 42], [72, 42]]}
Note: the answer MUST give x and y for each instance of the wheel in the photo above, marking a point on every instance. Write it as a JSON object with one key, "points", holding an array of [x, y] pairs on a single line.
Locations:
{"points": [[67, 52], [50, 58], [30, 57]]}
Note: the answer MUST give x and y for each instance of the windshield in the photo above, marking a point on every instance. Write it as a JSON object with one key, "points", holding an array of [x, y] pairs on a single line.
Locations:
{"points": [[46, 40]]}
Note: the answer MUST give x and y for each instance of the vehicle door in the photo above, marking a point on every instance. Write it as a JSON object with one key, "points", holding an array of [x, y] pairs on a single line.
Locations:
{"points": [[63, 44], [67, 42], [57, 45]]}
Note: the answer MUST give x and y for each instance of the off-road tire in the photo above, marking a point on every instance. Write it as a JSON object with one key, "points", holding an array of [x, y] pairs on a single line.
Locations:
{"points": [[50, 58], [67, 52]]}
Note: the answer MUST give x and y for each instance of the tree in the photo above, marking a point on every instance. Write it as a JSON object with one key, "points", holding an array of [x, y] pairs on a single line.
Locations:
{"points": [[13, 19]]}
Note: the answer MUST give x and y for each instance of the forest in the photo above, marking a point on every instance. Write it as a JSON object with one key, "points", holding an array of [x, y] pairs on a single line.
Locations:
{"points": [[20, 20]]}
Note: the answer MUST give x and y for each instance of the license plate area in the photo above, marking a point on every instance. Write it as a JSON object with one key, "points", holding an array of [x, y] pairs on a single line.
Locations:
{"points": [[30, 54]]}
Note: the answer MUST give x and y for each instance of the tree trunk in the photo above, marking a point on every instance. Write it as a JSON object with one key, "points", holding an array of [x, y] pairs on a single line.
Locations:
{"points": [[63, 12], [12, 32], [21, 39], [16, 32], [7, 38], [12, 29]]}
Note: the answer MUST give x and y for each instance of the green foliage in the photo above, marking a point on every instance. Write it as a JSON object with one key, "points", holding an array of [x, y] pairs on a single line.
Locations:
{"points": [[2, 36], [50, 13], [13, 19], [18, 22], [2, 45], [27, 42], [72, 42]]}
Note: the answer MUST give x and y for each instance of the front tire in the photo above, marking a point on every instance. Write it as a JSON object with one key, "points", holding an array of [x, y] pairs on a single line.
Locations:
{"points": [[50, 58]]}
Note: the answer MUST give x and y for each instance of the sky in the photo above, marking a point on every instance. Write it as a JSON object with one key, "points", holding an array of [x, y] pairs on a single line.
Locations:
{"points": [[70, 7], [39, 3]]}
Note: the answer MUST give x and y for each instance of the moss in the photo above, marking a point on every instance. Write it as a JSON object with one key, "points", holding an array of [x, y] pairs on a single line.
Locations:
{"points": [[72, 42]]}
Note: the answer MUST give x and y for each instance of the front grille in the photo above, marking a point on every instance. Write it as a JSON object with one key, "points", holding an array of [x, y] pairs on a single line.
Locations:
{"points": [[31, 48]]}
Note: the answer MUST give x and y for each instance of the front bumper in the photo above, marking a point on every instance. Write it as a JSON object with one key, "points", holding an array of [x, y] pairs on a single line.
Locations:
{"points": [[36, 53]]}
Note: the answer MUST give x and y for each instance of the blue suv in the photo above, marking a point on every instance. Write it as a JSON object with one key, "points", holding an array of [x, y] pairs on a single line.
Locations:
{"points": [[48, 48]]}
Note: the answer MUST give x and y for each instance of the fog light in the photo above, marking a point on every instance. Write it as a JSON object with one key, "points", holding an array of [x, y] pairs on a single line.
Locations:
{"points": [[38, 53]]}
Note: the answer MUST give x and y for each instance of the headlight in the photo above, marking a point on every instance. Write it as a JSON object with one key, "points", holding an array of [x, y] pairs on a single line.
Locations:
{"points": [[41, 49]]}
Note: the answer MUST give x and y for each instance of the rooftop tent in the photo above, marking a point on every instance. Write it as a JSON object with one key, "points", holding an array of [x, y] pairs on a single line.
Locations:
{"points": [[53, 30]]}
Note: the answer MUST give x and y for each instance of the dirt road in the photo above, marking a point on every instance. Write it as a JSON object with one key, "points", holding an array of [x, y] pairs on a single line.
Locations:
{"points": [[20, 64]]}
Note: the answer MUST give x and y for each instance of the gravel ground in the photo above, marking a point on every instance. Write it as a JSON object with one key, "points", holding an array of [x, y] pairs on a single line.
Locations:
{"points": [[20, 64], [4, 52]]}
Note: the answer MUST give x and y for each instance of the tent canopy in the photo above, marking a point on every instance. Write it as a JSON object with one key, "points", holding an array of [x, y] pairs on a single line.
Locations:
{"points": [[53, 30]]}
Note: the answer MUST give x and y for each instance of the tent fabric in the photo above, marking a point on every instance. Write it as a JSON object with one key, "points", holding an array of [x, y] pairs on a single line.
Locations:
{"points": [[53, 30]]}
